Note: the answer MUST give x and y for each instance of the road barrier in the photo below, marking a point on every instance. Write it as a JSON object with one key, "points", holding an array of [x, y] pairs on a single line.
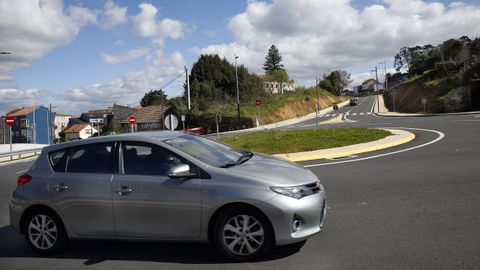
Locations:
{"points": [[16, 155]]}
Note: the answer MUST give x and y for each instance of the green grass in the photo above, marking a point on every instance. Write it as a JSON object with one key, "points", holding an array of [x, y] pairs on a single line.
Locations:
{"points": [[291, 141], [276, 101]]}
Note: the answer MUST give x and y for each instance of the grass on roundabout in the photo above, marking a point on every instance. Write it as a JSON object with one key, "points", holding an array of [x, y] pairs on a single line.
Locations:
{"points": [[292, 141]]}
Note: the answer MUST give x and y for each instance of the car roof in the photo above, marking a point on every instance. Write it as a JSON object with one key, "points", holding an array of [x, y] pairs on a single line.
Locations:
{"points": [[141, 136]]}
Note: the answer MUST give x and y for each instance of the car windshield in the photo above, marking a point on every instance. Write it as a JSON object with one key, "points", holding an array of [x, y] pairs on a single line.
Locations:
{"points": [[208, 151]]}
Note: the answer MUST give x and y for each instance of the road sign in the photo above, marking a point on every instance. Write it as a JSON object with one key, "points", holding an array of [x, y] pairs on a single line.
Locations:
{"points": [[10, 120], [424, 101], [132, 120], [258, 102], [171, 122], [218, 118]]}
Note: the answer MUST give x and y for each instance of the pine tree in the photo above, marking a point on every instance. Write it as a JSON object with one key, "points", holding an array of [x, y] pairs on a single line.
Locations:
{"points": [[273, 60]]}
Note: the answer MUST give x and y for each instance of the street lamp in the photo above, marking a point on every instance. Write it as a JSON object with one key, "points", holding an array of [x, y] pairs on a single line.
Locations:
{"points": [[376, 87], [5, 53], [238, 93]]}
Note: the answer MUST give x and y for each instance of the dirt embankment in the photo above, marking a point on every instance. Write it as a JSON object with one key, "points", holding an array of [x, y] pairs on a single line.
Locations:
{"points": [[299, 108], [409, 98]]}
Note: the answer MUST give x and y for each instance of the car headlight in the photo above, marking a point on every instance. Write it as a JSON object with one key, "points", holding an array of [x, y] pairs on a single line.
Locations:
{"points": [[296, 192]]}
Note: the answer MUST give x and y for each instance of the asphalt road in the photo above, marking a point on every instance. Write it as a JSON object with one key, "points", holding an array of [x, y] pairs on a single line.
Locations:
{"points": [[415, 206]]}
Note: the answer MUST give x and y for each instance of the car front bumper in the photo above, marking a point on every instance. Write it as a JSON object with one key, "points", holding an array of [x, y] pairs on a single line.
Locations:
{"points": [[283, 211]]}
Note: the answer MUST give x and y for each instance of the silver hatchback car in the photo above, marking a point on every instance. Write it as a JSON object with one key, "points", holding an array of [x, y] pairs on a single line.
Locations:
{"points": [[166, 186]]}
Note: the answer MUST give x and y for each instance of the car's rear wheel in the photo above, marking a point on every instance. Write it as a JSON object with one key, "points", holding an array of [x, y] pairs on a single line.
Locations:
{"points": [[243, 234], [44, 232]]}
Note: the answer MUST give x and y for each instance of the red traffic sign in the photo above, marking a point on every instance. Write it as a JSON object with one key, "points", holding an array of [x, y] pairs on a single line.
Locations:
{"points": [[10, 120], [258, 102], [132, 120]]}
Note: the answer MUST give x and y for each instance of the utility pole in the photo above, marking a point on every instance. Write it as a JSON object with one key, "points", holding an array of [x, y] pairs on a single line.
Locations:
{"points": [[188, 88], [317, 105], [34, 120], [378, 92], [49, 123], [238, 94]]}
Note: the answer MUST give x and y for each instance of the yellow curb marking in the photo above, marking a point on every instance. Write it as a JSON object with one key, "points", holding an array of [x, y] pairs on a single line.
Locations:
{"points": [[307, 157]]}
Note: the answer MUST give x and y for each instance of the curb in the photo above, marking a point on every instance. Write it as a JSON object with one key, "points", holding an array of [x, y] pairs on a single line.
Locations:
{"points": [[344, 151]]}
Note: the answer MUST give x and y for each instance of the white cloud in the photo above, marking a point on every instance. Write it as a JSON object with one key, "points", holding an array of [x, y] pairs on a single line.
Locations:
{"points": [[319, 36], [113, 15], [127, 89], [116, 59], [146, 24], [30, 29], [12, 98], [119, 42], [83, 16]]}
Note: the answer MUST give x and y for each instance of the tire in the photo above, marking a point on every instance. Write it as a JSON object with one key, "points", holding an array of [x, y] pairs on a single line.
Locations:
{"points": [[243, 241], [44, 232]]}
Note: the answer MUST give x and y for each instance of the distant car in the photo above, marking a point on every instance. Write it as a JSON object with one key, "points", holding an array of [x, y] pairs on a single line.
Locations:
{"points": [[353, 101], [166, 186]]}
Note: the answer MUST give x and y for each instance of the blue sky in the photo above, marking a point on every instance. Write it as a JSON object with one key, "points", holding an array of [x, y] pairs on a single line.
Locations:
{"points": [[82, 55]]}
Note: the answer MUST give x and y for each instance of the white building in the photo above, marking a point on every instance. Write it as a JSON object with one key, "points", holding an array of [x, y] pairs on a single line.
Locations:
{"points": [[79, 131], [60, 123]]}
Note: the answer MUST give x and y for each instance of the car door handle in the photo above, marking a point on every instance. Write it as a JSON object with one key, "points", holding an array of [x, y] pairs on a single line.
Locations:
{"points": [[123, 190], [60, 187]]}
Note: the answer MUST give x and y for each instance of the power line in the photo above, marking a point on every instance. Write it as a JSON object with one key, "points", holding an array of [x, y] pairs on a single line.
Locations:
{"points": [[171, 81]]}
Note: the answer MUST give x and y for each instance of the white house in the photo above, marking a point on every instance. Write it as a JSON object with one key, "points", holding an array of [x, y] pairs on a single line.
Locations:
{"points": [[276, 87], [79, 131], [60, 123]]}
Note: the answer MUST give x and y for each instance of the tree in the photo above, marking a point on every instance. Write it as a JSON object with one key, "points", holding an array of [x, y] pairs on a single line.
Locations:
{"points": [[213, 79], [273, 60], [405, 58], [154, 97], [335, 82]]}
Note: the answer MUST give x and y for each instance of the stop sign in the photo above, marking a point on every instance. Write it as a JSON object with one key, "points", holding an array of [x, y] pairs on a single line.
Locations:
{"points": [[10, 120], [258, 102], [132, 120]]}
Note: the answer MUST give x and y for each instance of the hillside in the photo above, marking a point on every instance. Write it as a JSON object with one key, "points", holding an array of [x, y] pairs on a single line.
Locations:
{"points": [[276, 108], [445, 94]]}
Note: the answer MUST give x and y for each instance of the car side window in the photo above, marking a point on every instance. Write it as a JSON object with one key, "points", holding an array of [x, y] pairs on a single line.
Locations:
{"points": [[148, 159], [91, 158], [58, 160]]}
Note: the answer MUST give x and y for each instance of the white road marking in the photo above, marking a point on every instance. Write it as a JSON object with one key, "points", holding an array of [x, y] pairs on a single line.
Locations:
{"points": [[361, 113], [369, 113], [466, 120], [441, 135], [327, 115], [354, 113], [334, 114]]}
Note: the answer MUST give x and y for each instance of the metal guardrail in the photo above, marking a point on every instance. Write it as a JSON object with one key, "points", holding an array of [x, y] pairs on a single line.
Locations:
{"points": [[15, 155]]}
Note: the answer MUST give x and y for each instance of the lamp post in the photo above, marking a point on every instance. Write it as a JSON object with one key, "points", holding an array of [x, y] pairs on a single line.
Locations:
{"points": [[376, 87], [5, 53], [238, 93]]}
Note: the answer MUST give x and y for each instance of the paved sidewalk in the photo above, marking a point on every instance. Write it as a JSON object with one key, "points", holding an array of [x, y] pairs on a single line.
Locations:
{"points": [[5, 148], [399, 137]]}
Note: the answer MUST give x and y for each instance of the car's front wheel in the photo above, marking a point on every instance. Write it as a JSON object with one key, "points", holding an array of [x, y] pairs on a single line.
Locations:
{"points": [[44, 232], [243, 234]]}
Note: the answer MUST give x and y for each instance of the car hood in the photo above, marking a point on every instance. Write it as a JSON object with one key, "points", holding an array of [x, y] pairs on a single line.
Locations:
{"points": [[275, 171]]}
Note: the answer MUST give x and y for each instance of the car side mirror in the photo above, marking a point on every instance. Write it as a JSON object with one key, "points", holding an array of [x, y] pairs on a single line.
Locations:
{"points": [[180, 171]]}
